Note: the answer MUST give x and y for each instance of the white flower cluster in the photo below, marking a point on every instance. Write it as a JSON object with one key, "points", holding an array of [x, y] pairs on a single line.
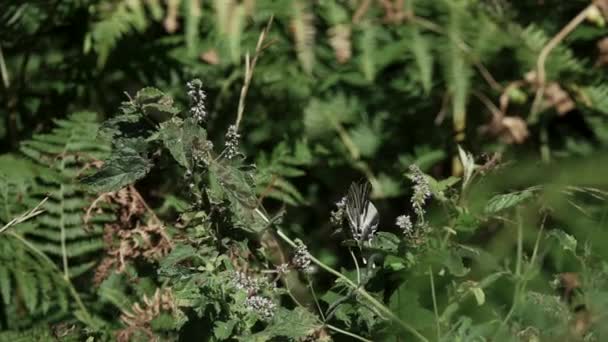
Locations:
{"points": [[232, 142], [244, 282], [337, 216], [197, 100], [422, 191], [262, 306], [405, 223], [301, 258]]}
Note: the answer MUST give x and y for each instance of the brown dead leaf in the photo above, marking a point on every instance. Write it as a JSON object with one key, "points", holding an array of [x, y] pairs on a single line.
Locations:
{"points": [[602, 47], [339, 39], [509, 129], [602, 5], [210, 57], [568, 281], [515, 130], [557, 97], [582, 323], [171, 23]]}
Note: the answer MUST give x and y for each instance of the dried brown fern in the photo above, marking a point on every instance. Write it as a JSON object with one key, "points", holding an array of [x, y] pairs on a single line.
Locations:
{"points": [[303, 29], [136, 233], [138, 319]]}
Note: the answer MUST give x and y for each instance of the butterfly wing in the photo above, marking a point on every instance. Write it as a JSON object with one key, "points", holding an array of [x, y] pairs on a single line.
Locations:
{"points": [[369, 222], [357, 206]]}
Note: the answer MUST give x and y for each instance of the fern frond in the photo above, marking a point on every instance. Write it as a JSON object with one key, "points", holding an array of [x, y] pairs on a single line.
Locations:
{"points": [[531, 41], [423, 57], [62, 156], [274, 172], [458, 71], [302, 25], [26, 280], [117, 19]]}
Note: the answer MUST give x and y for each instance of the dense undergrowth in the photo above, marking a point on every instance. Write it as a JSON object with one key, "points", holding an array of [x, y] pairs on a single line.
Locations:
{"points": [[258, 170]]}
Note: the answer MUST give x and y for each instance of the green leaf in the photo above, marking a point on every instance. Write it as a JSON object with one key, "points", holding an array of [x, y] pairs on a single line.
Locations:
{"points": [[404, 303], [179, 137], [506, 201], [293, 324], [567, 241], [179, 253], [385, 241], [223, 330], [124, 167]]}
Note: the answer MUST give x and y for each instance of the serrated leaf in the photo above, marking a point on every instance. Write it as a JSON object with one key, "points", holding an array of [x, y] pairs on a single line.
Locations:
{"points": [[124, 167], [385, 241], [293, 324], [148, 95], [506, 201], [178, 254], [223, 330], [180, 137]]}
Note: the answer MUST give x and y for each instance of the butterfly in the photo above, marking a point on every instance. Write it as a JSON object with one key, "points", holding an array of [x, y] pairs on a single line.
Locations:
{"points": [[361, 212]]}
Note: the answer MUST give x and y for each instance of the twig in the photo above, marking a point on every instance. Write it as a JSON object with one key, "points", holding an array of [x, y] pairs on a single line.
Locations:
{"points": [[4, 71], [361, 10], [249, 67], [25, 216], [544, 54]]}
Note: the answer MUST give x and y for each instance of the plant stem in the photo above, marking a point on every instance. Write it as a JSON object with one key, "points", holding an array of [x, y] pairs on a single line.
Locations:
{"points": [[344, 332], [435, 303], [544, 54], [249, 67], [352, 254], [314, 297], [379, 306], [520, 243]]}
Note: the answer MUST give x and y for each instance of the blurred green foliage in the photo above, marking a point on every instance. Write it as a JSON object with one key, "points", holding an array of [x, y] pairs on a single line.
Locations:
{"points": [[513, 151]]}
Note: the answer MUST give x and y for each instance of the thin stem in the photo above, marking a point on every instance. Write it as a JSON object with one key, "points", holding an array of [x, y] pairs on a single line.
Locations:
{"points": [[4, 71], [379, 306], [25, 216], [36, 211], [544, 54], [331, 327], [435, 303], [249, 67], [520, 243], [314, 297], [344, 332], [352, 254]]}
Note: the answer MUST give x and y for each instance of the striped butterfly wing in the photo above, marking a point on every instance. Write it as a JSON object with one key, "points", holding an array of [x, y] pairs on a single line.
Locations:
{"points": [[370, 221], [362, 214]]}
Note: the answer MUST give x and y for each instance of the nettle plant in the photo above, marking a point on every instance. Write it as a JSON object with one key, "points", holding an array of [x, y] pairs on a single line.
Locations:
{"points": [[226, 269]]}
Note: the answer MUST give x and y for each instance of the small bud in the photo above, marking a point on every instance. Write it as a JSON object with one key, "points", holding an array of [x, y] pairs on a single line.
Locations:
{"points": [[232, 142], [197, 100]]}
